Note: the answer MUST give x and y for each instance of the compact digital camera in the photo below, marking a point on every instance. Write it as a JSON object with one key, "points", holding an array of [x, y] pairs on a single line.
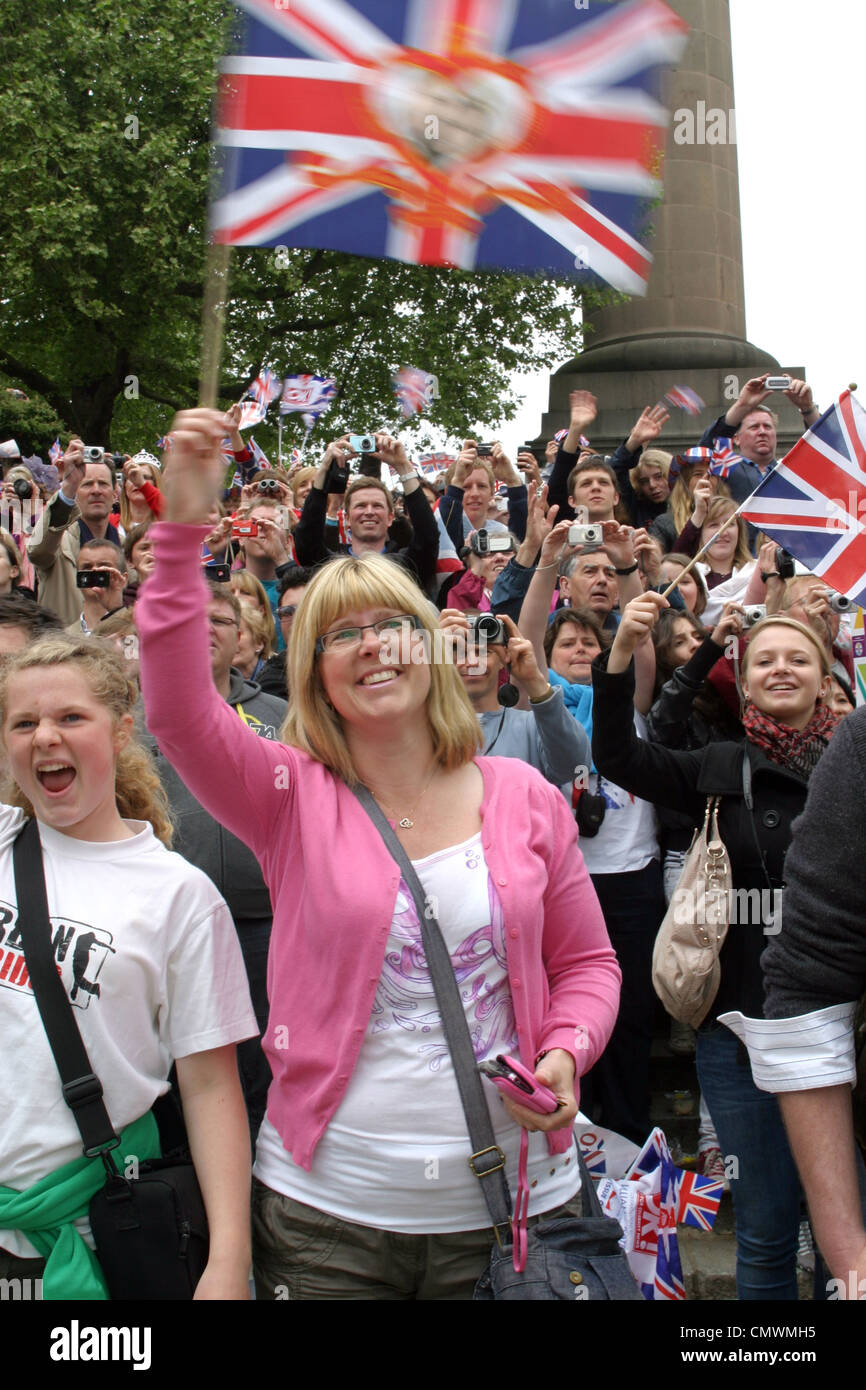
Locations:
{"points": [[241, 529], [593, 534], [841, 603], [491, 628], [777, 383], [362, 443], [216, 573], [94, 453], [754, 613]]}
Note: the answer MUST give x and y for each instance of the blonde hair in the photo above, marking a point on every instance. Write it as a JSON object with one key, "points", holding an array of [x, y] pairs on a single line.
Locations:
{"points": [[719, 511], [138, 791], [347, 585], [126, 518], [681, 501], [778, 620], [650, 458], [261, 630], [242, 582], [484, 464]]}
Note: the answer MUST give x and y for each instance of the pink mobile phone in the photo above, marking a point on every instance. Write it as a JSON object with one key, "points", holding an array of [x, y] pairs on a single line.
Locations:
{"points": [[519, 1084]]}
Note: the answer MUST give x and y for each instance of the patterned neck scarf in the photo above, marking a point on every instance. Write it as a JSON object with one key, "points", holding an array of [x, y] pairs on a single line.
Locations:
{"points": [[797, 749]]}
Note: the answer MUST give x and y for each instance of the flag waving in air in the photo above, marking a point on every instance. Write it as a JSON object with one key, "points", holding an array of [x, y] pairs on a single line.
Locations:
{"points": [[415, 390], [449, 132], [307, 395], [814, 502], [266, 387]]}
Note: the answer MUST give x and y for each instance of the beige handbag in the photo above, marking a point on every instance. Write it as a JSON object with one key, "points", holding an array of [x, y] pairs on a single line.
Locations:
{"points": [[686, 969]]}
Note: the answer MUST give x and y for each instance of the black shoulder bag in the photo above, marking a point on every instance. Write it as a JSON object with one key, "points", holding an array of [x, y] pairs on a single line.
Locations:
{"points": [[564, 1255], [151, 1230]]}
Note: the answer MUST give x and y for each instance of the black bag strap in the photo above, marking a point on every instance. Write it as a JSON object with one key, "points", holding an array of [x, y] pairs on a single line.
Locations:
{"points": [[82, 1090], [487, 1160]]}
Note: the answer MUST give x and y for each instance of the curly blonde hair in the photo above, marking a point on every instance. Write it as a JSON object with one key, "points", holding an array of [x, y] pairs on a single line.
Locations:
{"points": [[138, 790]]}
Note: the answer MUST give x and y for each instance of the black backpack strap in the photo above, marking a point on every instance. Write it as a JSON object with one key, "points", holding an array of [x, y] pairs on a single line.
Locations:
{"points": [[82, 1090]]}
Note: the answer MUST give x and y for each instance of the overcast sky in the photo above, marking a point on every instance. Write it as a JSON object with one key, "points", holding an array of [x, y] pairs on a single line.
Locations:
{"points": [[800, 93]]}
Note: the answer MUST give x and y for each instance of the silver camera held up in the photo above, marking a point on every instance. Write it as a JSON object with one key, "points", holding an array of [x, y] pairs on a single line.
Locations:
{"points": [[592, 534], [754, 613]]}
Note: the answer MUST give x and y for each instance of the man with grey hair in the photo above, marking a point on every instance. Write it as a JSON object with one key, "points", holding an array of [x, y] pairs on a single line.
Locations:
{"points": [[751, 426]]}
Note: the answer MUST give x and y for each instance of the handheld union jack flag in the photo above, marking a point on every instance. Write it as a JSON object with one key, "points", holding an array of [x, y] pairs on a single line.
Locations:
{"points": [[266, 387], [431, 464], [699, 1199], [581, 439], [723, 458], [307, 395], [814, 501], [684, 398], [260, 458], [56, 451], [449, 132], [415, 390], [252, 413]]}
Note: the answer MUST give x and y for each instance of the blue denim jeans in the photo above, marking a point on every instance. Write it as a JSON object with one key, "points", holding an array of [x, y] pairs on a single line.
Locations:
{"points": [[765, 1186]]}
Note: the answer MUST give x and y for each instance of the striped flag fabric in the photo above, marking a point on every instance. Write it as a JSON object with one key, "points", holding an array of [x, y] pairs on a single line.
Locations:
{"points": [[813, 503], [55, 452], [698, 1200], [252, 413], [306, 394], [723, 460], [260, 458], [449, 132], [684, 398], [266, 387], [415, 390]]}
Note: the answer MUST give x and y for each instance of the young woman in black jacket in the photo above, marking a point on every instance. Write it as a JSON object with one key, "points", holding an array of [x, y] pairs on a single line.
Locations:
{"points": [[762, 787]]}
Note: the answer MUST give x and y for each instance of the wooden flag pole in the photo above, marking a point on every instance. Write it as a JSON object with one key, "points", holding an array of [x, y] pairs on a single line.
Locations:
{"points": [[216, 285], [694, 560]]}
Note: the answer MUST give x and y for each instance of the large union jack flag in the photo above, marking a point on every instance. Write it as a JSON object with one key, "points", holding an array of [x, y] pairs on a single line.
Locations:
{"points": [[814, 501], [449, 132]]}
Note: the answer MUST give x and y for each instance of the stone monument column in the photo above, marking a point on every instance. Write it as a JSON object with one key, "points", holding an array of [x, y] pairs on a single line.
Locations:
{"points": [[690, 329]]}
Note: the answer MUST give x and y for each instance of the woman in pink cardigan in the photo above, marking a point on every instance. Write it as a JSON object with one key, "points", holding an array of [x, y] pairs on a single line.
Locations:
{"points": [[363, 1188]]}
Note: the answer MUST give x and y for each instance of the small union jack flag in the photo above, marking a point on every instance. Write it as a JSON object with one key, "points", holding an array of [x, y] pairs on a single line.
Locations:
{"points": [[415, 390], [449, 132], [56, 451], [684, 398], [260, 458], [723, 459], [813, 503], [581, 439], [699, 1199], [266, 387]]}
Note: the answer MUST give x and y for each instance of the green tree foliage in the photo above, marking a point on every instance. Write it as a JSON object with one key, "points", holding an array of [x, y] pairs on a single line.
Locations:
{"points": [[104, 173]]}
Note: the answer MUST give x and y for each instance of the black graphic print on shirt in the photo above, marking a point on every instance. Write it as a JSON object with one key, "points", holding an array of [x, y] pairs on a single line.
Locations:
{"points": [[80, 951]]}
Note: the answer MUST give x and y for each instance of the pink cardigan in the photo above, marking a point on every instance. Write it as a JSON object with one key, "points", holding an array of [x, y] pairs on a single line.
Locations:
{"points": [[334, 884]]}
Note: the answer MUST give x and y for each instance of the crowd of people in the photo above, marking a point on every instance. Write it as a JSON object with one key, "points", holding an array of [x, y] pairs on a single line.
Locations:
{"points": [[497, 656]]}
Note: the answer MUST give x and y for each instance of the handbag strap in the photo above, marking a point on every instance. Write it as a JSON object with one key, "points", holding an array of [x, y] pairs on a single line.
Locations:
{"points": [[486, 1151], [82, 1090]]}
